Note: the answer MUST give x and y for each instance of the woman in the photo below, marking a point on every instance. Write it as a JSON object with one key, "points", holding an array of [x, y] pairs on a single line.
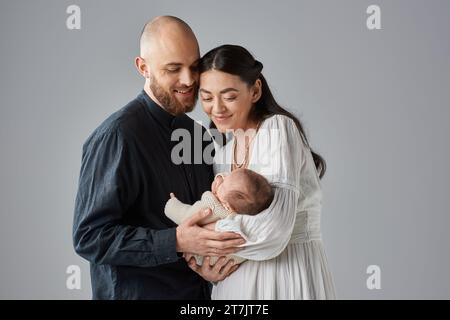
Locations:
{"points": [[287, 259]]}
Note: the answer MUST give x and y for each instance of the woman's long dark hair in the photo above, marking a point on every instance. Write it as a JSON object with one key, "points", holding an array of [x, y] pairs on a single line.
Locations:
{"points": [[236, 60]]}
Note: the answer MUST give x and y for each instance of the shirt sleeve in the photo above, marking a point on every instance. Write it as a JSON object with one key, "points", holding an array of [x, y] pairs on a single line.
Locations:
{"points": [[269, 232], [108, 186]]}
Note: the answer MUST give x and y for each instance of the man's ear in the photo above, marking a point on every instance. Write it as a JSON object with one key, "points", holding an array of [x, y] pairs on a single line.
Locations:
{"points": [[142, 67], [256, 91]]}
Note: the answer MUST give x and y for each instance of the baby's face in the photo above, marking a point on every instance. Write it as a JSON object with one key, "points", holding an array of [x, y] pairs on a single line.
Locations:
{"points": [[224, 185]]}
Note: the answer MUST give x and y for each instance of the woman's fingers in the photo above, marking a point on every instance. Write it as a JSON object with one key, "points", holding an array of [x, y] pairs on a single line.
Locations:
{"points": [[219, 265], [220, 270], [187, 256], [206, 266], [232, 269], [227, 268], [193, 265], [224, 265]]}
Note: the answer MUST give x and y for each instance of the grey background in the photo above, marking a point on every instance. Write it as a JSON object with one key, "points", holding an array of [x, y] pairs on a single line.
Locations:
{"points": [[375, 104]]}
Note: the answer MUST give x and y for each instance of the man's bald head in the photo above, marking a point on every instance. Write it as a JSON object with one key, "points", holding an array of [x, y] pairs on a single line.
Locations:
{"points": [[160, 28], [168, 61]]}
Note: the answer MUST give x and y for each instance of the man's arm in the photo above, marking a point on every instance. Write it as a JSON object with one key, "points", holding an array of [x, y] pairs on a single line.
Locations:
{"points": [[107, 189], [108, 186]]}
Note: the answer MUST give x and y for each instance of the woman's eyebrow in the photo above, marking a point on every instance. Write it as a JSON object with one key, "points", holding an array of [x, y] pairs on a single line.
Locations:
{"points": [[228, 90], [221, 92]]}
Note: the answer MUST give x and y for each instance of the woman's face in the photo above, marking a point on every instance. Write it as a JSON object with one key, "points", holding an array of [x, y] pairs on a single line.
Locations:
{"points": [[227, 100]]}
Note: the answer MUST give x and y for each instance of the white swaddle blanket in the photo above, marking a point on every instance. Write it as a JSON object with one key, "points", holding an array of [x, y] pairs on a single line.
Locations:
{"points": [[178, 212]]}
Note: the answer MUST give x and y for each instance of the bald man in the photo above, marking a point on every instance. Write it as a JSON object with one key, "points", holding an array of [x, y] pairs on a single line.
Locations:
{"points": [[127, 175]]}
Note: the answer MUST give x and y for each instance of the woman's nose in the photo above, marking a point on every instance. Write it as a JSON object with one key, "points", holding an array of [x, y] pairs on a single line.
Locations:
{"points": [[218, 107]]}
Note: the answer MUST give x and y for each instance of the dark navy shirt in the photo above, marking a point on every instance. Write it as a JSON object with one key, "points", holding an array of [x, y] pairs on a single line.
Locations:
{"points": [[119, 224]]}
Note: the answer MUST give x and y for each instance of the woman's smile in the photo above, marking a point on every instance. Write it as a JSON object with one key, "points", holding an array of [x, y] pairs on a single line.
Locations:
{"points": [[221, 118]]}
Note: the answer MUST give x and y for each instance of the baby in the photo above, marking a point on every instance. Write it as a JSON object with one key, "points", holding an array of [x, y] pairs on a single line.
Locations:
{"points": [[242, 191]]}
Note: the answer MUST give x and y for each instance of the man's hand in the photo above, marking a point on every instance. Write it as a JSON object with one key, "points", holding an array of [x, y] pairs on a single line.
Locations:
{"points": [[197, 240], [222, 269], [210, 226]]}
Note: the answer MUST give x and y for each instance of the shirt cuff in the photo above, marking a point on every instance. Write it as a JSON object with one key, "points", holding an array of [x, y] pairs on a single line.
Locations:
{"points": [[165, 246]]}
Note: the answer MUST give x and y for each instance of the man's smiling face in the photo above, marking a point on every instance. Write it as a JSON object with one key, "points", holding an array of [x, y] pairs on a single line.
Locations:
{"points": [[173, 70]]}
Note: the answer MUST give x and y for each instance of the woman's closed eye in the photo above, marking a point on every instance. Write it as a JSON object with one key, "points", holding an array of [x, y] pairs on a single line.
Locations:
{"points": [[206, 99], [230, 98]]}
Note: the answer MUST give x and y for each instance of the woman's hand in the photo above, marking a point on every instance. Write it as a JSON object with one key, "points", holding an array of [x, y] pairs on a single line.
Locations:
{"points": [[222, 269], [187, 256]]}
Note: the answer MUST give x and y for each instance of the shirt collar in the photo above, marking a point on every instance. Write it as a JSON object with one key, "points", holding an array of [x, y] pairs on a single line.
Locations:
{"points": [[164, 117]]}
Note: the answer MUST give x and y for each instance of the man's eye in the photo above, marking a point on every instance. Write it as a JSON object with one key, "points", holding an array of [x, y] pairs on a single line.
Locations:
{"points": [[173, 70]]}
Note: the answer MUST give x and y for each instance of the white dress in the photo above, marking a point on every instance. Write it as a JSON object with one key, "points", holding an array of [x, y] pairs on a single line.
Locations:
{"points": [[284, 247]]}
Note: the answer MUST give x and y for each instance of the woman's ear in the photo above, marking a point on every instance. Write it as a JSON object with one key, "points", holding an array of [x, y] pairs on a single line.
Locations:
{"points": [[256, 91]]}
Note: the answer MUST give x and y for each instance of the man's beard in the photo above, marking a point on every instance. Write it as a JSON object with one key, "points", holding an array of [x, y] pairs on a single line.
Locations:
{"points": [[168, 99]]}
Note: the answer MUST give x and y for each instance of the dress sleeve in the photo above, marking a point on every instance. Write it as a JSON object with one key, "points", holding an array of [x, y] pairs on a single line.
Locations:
{"points": [[269, 232], [108, 187]]}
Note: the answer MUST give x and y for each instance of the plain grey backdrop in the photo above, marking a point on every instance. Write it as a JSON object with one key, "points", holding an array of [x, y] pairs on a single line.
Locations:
{"points": [[375, 104]]}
